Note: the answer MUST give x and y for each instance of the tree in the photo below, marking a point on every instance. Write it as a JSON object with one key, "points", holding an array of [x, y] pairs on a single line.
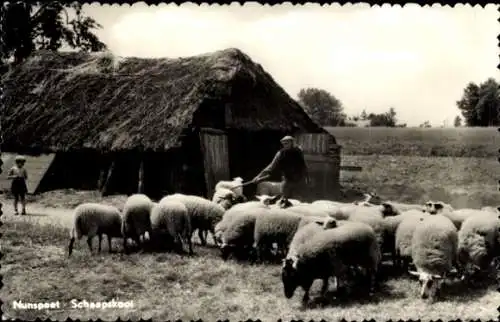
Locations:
{"points": [[48, 26], [387, 119], [426, 124], [324, 108], [458, 121], [363, 115], [480, 104]]}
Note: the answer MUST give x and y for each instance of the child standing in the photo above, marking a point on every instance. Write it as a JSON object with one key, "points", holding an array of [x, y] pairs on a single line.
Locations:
{"points": [[19, 175]]}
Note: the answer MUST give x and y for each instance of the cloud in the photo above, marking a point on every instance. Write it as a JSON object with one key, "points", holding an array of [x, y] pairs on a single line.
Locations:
{"points": [[415, 59]]}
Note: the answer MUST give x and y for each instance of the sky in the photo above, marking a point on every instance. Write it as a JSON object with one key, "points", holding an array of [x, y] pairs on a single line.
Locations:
{"points": [[415, 59]]}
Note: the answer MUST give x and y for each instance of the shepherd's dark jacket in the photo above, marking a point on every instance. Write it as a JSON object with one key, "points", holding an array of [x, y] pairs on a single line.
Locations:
{"points": [[290, 162]]}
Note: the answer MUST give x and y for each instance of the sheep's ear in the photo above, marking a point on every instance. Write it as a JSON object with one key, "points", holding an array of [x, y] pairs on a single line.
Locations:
{"points": [[439, 205], [498, 208], [319, 223]]}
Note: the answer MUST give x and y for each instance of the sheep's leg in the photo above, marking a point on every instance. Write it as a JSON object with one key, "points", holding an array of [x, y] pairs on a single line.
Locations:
{"points": [[125, 246], [305, 298], [100, 241], [89, 242], [189, 243], [109, 243], [70, 246], [202, 238], [324, 288]]}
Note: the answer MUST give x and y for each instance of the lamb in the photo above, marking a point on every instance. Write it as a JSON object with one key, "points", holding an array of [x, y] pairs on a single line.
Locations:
{"points": [[93, 219], [403, 239], [204, 214], [329, 253], [235, 186], [478, 241], [437, 207], [277, 226], [224, 197], [237, 234], [270, 188], [434, 249], [136, 222], [372, 217], [170, 219]]}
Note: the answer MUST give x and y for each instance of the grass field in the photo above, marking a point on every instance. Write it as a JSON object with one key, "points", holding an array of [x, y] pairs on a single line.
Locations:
{"points": [[450, 142], [458, 166], [167, 286]]}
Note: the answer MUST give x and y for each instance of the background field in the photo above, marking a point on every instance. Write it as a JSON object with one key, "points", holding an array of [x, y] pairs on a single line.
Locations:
{"points": [[399, 164], [430, 142]]}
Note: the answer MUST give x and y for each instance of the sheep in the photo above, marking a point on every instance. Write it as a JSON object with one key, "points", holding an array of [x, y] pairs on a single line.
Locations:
{"points": [[403, 239], [437, 207], [93, 219], [460, 215], [434, 249], [371, 216], [402, 207], [491, 209], [478, 241], [277, 200], [171, 217], [329, 253], [235, 186], [308, 227], [224, 197], [232, 212], [391, 224], [277, 226], [136, 222], [204, 214], [309, 210], [237, 233], [270, 188]]}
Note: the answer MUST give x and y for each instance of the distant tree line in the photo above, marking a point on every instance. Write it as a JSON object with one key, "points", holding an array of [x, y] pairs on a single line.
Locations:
{"points": [[327, 110]]}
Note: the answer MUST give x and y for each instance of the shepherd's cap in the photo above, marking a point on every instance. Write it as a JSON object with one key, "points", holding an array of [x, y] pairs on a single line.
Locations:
{"points": [[20, 158], [287, 138]]}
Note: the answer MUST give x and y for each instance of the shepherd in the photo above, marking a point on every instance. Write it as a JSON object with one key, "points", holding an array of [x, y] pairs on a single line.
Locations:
{"points": [[290, 161], [19, 175]]}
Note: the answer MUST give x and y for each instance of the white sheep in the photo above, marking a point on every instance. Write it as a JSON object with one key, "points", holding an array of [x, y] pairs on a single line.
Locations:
{"points": [[402, 207], [309, 210], [136, 223], [276, 226], [307, 228], [204, 214], [224, 197], [235, 185], [403, 238], [170, 218], [329, 253], [434, 250], [491, 209], [277, 200], [458, 216], [237, 230], [478, 242], [91, 219]]}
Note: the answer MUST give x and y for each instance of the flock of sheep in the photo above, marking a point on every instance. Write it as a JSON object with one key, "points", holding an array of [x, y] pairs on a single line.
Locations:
{"points": [[319, 240]]}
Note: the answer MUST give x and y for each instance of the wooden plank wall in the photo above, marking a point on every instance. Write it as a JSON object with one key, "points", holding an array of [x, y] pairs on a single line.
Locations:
{"points": [[215, 150], [322, 156]]}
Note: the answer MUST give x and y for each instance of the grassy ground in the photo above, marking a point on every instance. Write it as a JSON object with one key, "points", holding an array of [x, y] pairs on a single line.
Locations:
{"points": [[463, 182], [167, 286], [451, 142]]}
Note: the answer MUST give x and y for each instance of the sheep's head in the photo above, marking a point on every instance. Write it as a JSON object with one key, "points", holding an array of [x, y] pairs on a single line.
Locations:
{"points": [[329, 223], [430, 284], [267, 200], [437, 207], [289, 276], [388, 210], [284, 203]]}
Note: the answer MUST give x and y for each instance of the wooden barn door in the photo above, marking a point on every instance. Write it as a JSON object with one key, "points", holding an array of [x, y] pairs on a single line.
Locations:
{"points": [[214, 147], [322, 157]]}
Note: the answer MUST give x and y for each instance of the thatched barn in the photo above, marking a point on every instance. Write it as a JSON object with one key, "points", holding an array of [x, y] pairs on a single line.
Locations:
{"points": [[156, 125]]}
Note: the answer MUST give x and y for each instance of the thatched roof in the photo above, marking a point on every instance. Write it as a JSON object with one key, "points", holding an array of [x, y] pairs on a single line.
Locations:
{"points": [[65, 101]]}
